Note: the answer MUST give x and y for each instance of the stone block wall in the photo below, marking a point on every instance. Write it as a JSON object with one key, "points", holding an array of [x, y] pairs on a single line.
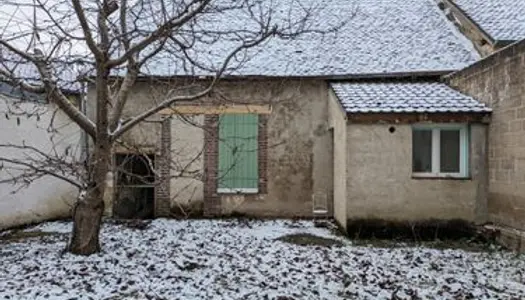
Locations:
{"points": [[499, 81]]}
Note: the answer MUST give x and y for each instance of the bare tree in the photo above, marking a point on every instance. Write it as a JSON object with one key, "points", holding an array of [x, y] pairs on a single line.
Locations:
{"points": [[51, 46]]}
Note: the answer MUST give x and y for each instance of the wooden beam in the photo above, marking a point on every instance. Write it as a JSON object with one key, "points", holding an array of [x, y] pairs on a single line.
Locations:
{"points": [[217, 109]]}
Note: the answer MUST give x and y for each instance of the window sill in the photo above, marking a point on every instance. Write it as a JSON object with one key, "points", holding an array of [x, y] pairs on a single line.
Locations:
{"points": [[247, 191], [417, 177]]}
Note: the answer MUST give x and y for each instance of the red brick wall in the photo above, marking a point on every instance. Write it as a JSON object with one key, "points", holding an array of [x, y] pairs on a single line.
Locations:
{"points": [[263, 154], [499, 81], [212, 201], [162, 190]]}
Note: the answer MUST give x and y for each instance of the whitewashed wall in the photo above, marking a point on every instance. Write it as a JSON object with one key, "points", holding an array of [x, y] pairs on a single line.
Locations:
{"points": [[46, 198]]}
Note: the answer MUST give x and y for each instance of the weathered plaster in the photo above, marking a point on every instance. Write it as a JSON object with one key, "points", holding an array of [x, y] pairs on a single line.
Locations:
{"points": [[338, 123], [380, 183], [46, 198], [187, 145], [299, 162]]}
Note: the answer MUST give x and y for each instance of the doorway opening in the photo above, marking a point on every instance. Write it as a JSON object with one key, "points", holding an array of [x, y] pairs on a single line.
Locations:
{"points": [[134, 186]]}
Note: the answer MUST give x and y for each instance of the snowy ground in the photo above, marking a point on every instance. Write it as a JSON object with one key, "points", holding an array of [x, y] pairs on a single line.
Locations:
{"points": [[243, 260]]}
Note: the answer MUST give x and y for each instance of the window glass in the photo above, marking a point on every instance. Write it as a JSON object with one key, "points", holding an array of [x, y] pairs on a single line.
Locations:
{"points": [[422, 151], [450, 151]]}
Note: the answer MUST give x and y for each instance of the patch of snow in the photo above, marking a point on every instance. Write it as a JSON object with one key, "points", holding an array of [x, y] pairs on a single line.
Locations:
{"points": [[60, 227], [225, 259]]}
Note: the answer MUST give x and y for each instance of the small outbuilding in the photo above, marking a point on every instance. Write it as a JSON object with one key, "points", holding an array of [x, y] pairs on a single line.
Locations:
{"points": [[407, 153]]}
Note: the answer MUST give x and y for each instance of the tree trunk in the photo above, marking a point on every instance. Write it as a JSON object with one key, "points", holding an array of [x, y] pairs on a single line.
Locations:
{"points": [[87, 219], [87, 215]]}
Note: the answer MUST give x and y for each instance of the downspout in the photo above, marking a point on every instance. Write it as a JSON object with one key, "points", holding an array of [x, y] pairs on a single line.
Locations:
{"points": [[83, 108]]}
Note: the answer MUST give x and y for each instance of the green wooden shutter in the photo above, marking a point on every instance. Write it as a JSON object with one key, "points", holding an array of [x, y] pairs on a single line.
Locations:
{"points": [[238, 153]]}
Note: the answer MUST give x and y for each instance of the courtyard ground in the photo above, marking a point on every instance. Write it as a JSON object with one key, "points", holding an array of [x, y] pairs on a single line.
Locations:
{"points": [[235, 259]]}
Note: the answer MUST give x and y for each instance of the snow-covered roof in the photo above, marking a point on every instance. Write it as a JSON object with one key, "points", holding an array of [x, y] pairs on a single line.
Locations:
{"points": [[384, 36], [15, 92], [502, 19], [401, 97], [65, 72]]}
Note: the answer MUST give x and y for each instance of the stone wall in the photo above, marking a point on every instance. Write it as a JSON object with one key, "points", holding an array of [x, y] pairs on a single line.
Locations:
{"points": [[380, 185], [499, 81]]}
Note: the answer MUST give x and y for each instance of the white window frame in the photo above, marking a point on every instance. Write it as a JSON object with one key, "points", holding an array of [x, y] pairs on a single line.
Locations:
{"points": [[436, 145]]}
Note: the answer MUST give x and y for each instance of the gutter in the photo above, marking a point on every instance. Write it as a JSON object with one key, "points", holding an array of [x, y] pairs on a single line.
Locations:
{"points": [[342, 77]]}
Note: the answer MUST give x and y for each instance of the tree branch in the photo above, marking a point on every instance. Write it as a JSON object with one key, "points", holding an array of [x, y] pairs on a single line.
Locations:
{"points": [[79, 11], [162, 31], [166, 103]]}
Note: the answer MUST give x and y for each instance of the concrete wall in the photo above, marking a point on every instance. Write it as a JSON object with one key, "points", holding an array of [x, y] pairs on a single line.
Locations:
{"points": [[499, 81], [299, 143], [338, 123], [45, 198], [380, 183]]}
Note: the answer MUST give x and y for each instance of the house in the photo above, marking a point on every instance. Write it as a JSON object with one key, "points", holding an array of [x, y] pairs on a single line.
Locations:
{"points": [[409, 152], [409, 116], [357, 125], [28, 119]]}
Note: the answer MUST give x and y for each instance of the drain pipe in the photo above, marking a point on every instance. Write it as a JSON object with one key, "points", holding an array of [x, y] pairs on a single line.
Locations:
{"points": [[83, 108]]}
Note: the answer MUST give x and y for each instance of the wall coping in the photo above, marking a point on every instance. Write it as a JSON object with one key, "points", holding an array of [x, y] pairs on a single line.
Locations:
{"points": [[507, 52], [411, 118]]}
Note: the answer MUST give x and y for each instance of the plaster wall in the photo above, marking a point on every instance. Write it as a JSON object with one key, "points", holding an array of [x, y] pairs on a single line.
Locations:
{"points": [[300, 160], [380, 185], [47, 197]]}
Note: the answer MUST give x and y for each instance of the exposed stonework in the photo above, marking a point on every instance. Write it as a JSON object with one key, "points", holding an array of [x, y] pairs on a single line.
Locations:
{"points": [[499, 81], [483, 43], [508, 237]]}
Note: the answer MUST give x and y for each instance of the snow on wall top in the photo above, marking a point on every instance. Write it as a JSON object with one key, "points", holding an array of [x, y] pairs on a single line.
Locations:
{"points": [[501, 19], [398, 97], [384, 36]]}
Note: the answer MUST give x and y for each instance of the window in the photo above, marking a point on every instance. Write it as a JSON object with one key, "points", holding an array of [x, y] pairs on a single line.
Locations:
{"points": [[238, 153], [440, 151]]}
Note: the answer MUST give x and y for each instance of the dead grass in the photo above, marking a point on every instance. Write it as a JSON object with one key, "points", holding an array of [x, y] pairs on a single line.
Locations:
{"points": [[306, 239], [463, 244], [21, 235]]}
